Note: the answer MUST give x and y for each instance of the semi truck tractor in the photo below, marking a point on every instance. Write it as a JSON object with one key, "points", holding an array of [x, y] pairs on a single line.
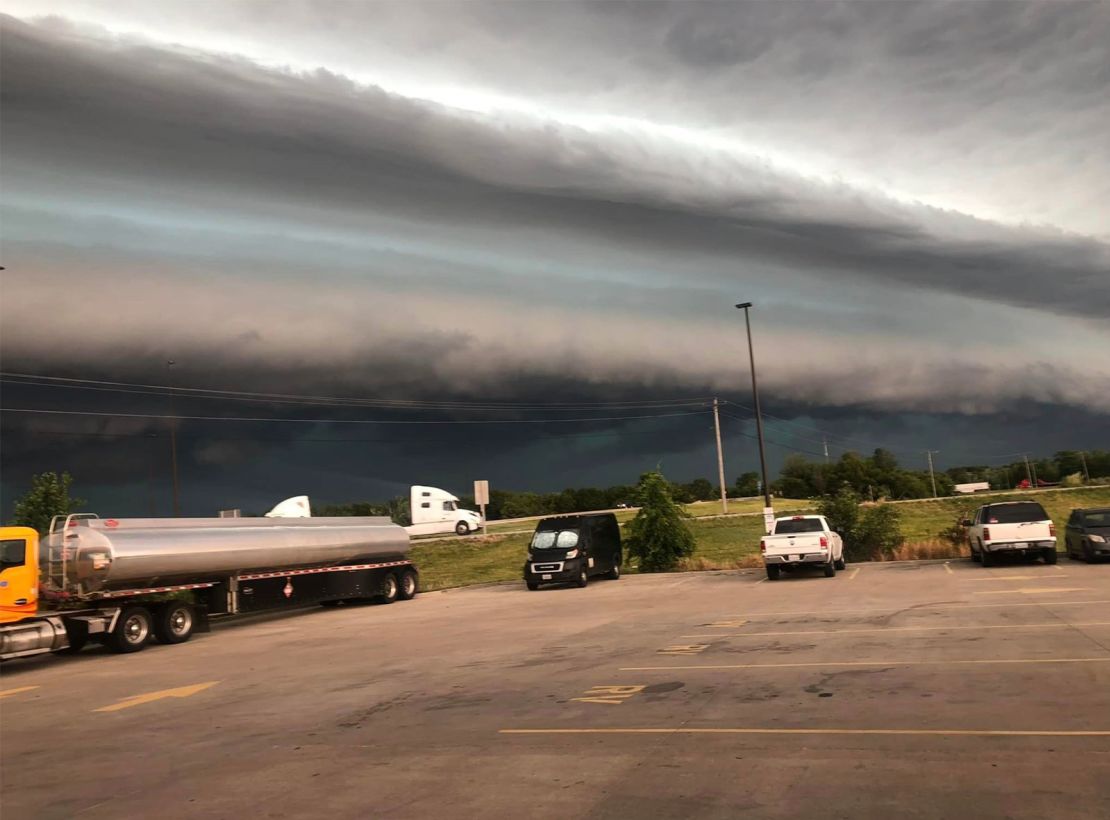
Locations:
{"points": [[124, 581], [436, 511]]}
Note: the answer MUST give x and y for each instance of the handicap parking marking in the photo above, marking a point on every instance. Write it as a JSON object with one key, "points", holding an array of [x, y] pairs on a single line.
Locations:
{"points": [[610, 695], [683, 649]]}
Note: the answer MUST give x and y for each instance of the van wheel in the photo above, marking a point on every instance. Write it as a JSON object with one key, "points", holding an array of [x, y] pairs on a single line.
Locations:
{"points": [[174, 622], [773, 572], [839, 563], [408, 585], [615, 573], [1050, 556], [132, 632], [830, 570], [461, 528], [532, 585], [583, 578], [389, 589]]}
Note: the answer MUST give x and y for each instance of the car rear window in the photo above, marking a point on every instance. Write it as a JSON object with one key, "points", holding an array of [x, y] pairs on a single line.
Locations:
{"points": [[798, 525], [1016, 513]]}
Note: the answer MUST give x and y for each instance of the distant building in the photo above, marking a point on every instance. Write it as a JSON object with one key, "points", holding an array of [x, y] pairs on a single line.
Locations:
{"points": [[974, 487]]}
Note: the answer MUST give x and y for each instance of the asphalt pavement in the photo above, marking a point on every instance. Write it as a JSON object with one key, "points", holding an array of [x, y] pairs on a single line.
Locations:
{"points": [[910, 690]]}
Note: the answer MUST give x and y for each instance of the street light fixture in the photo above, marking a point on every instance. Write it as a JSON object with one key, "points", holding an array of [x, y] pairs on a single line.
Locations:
{"points": [[758, 416]]}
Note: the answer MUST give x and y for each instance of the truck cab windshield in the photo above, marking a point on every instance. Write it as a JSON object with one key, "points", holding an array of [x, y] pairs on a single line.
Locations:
{"points": [[798, 525], [551, 539]]}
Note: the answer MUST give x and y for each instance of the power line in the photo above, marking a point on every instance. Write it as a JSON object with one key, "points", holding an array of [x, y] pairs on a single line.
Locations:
{"points": [[38, 380], [166, 416]]}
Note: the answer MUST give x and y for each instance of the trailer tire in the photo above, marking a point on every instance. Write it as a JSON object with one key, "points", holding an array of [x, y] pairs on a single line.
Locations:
{"points": [[132, 631], [461, 528], [389, 589], [409, 584], [174, 622]]}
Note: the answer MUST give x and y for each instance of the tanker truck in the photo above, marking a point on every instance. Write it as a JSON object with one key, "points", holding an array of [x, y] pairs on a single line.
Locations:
{"points": [[124, 581]]}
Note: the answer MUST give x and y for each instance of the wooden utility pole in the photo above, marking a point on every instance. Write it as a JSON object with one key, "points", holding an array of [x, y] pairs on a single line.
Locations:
{"points": [[932, 478], [1086, 473], [720, 458], [1028, 471]]}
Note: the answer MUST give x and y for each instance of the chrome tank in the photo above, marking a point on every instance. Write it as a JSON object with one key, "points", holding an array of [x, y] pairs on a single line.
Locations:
{"points": [[123, 553]]}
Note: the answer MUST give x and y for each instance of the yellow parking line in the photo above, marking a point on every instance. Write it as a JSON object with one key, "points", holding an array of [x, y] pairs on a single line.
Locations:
{"points": [[924, 608], [1052, 625], [827, 664], [1014, 577], [138, 700], [948, 568], [855, 572], [7, 693], [687, 730], [1032, 591]]}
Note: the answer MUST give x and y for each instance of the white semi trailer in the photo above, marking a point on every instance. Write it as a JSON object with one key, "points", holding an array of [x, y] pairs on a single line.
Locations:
{"points": [[122, 581]]}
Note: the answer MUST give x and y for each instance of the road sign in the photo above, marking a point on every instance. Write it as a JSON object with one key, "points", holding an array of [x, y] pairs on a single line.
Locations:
{"points": [[481, 498], [768, 519]]}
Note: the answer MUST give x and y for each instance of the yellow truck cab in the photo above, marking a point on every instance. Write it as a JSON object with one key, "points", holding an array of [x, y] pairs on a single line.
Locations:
{"points": [[19, 574]]}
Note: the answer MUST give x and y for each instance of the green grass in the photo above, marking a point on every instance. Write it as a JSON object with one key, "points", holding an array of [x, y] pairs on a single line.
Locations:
{"points": [[723, 543]]}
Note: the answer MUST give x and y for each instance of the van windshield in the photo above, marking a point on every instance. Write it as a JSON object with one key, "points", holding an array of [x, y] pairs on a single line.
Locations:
{"points": [[552, 539]]}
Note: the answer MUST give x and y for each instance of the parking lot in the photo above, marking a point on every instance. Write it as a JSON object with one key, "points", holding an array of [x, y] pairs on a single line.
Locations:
{"points": [[908, 689]]}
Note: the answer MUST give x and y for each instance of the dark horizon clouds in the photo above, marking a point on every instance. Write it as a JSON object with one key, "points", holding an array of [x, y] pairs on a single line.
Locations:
{"points": [[530, 199]]}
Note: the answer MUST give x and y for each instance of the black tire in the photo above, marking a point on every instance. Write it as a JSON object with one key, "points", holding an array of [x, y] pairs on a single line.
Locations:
{"points": [[330, 604], [1050, 556], [532, 585], [462, 529], [615, 573], [133, 630], [985, 558], [773, 572], [174, 622], [583, 578], [409, 585], [840, 563], [975, 556], [830, 570], [1090, 559], [389, 589]]}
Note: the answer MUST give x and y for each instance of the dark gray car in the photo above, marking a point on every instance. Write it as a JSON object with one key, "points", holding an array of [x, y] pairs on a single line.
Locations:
{"points": [[1088, 534]]}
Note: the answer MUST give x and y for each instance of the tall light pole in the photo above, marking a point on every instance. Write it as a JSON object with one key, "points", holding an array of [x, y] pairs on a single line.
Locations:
{"points": [[173, 448], [758, 416], [932, 478]]}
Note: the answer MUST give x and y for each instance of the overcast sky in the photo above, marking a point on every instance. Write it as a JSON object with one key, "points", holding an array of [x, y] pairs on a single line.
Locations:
{"points": [[537, 202]]}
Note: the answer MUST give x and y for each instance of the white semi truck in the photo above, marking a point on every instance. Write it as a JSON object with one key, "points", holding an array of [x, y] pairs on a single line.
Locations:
{"points": [[436, 511]]}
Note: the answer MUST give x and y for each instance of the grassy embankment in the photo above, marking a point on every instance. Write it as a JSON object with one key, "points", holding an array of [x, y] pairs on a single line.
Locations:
{"points": [[727, 543]]}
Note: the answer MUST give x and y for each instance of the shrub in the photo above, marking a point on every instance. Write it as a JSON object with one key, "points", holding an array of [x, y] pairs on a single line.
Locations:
{"points": [[658, 535], [874, 533]]}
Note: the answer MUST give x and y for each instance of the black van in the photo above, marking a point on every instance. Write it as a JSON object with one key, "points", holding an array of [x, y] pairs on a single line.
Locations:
{"points": [[574, 548]]}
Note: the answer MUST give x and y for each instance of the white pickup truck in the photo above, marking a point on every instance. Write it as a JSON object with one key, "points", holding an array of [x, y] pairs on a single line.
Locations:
{"points": [[802, 540], [1011, 528]]}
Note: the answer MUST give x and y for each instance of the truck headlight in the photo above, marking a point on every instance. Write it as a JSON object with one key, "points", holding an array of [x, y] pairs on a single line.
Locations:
{"points": [[1098, 539], [572, 553]]}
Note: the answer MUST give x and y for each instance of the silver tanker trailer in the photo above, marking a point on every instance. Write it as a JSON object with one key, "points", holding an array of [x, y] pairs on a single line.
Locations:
{"points": [[121, 581]]}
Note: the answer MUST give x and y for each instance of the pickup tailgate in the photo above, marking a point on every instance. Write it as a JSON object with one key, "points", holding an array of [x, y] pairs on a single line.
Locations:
{"points": [[1020, 532], [793, 544]]}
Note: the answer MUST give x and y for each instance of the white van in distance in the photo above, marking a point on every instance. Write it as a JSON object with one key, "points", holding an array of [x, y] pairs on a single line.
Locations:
{"points": [[436, 511]]}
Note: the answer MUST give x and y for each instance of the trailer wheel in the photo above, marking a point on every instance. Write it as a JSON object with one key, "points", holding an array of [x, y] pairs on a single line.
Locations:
{"points": [[174, 622], [408, 585], [132, 630], [461, 528], [389, 589]]}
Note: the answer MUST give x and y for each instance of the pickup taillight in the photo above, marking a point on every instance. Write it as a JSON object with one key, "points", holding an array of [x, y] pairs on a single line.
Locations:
{"points": [[824, 542], [1052, 530], [763, 546], [986, 533]]}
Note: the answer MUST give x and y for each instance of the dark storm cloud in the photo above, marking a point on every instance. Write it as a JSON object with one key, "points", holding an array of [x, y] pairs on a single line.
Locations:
{"points": [[187, 123]]}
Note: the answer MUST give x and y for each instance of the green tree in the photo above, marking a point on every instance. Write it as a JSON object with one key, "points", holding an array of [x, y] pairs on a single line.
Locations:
{"points": [[747, 485], [841, 510], [877, 534], [658, 535], [48, 496]]}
